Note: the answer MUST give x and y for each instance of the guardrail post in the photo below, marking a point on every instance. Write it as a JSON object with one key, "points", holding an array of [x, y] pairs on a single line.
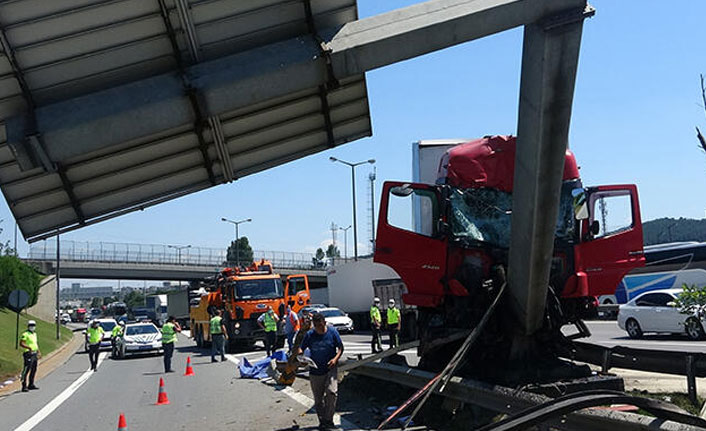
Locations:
{"points": [[605, 365], [691, 378]]}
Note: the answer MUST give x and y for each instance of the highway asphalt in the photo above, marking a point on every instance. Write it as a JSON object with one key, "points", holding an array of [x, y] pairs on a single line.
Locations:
{"points": [[74, 398]]}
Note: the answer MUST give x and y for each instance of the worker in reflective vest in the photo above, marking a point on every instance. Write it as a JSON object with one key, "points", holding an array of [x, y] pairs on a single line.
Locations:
{"points": [[28, 341], [291, 327], [169, 337], [116, 333], [94, 335], [268, 321], [218, 336], [393, 323], [375, 324]]}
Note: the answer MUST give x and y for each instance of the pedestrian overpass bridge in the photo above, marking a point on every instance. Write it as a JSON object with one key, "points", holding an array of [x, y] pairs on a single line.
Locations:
{"points": [[123, 261]]}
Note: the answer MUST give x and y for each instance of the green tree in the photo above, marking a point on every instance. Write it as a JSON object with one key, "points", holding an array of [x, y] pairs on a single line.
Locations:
{"points": [[15, 274], [320, 255], [96, 302], [333, 251], [134, 299], [245, 255]]}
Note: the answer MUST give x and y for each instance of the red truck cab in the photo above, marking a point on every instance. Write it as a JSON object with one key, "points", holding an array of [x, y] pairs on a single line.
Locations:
{"points": [[461, 227]]}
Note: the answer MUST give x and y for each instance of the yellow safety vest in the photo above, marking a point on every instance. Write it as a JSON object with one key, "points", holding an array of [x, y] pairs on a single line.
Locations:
{"points": [[168, 333], [30, 339], [270, 323], [117, 331], [216, 325], [95, 335], [393, 316], [375, 315]]}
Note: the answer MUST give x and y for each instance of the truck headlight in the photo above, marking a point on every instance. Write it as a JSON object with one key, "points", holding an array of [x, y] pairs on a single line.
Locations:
{"points": [[237, 325]]}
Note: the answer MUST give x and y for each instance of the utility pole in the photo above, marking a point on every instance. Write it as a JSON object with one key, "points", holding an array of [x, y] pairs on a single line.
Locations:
{"points": [[57, 279], [345, 240], [179, 248], [237, 246], [371, 178], [355, 224]]}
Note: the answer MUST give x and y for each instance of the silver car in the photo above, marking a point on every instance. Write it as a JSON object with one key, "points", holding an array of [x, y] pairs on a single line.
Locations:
{"points": [[140, 337]]}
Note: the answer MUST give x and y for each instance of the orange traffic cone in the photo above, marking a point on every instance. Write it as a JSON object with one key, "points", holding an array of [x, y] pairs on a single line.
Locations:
{"points": [[189, 370], [122, 425], [162, 397]]}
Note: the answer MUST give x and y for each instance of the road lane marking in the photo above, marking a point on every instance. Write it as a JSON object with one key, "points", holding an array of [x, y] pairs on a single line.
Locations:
{"points": [[59, 399]]}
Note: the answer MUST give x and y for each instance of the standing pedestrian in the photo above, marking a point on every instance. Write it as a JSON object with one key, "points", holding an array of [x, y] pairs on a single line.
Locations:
{"points": [[94, 335], [375, 324], [291, 327], [326, 349], [169, 337], [218, 336], [394, 323], [28, 341], [268, 321]]}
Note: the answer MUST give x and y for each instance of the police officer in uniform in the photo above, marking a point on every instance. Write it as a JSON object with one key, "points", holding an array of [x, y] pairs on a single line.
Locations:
{"points": [[169, 337], [28, 341], [116, 333], [393, 323], [94, 336], [375, 324]]}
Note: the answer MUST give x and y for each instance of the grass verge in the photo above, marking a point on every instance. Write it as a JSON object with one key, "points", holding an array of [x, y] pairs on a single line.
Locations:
{"points": [[676, 398], [11, 359]]}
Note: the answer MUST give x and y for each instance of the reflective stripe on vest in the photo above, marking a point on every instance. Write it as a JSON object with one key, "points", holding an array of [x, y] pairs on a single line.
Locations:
{"points": [[270, 323], [216, 325], [168, 333], [375, 315], [95, 335], [30, 339], [393, 316]]}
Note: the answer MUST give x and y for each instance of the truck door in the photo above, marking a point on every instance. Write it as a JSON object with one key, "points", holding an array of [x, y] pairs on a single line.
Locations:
{"points": [[611, 238], [298, 294], [409, 242]]}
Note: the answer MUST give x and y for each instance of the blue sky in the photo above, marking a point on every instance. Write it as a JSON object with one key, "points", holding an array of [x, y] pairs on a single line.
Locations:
{"points": [[636, 104]]}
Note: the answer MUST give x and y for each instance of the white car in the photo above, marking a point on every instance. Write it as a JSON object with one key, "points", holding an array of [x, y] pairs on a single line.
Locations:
{"points": [[65, 318], [337, 318], [140, 337], [654, 311], [107, 325]]}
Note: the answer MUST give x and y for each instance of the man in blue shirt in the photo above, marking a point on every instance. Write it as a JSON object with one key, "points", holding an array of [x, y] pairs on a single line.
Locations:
{"points": [[326, 349]]}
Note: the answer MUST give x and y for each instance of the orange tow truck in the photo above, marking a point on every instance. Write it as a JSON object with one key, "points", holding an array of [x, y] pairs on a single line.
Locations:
{"points": [[243, 295]]}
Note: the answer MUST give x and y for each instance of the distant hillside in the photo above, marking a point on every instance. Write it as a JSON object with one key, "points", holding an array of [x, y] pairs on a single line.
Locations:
{"points": [[664, 230]]}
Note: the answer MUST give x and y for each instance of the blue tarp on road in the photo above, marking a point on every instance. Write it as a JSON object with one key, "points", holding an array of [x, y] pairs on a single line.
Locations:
{"points": [[258, 370]]}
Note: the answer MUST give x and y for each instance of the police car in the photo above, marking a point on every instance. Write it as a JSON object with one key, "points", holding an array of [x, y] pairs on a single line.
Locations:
{"points": [[142, 337]]}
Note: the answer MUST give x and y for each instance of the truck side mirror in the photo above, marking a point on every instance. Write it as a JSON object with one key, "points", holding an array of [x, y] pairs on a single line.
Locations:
{"points": [[579, 203], [402, 191], [595, 228]]}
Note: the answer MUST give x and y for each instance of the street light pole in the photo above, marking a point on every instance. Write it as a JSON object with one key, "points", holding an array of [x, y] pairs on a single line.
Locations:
{"points": [[179, 248], [355, 223], [237, 236], [345, 240]]}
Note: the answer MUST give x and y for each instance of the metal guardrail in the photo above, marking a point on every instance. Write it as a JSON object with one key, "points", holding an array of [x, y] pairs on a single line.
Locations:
{"points": [[689, 364], [112, 252], [505, 400]]}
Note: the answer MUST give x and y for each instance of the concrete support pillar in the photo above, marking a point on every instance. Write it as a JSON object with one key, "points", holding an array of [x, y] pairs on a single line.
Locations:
{"points": [[549, 61]]}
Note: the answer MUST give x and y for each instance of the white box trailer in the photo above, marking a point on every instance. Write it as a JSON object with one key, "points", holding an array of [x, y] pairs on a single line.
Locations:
{"points": [[352, 287]]}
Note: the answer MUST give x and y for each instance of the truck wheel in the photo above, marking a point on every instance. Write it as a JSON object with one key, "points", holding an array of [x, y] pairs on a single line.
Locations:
{"points": [[633, 329], [694, 329]]}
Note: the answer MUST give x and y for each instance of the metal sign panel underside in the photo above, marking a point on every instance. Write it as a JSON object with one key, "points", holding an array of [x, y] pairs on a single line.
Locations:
{"points": [[67, 161]]}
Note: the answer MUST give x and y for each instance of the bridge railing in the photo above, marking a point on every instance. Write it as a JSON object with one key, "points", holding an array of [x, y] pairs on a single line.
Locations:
{"points": [[112, 252]]}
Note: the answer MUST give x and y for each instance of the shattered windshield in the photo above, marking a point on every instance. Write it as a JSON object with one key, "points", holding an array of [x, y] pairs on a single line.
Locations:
{"points": [[259, 289], [484, 215]]}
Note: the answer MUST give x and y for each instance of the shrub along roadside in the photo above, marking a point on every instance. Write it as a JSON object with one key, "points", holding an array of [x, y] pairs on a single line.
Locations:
{"points": [[11, 359], [15, 274]]}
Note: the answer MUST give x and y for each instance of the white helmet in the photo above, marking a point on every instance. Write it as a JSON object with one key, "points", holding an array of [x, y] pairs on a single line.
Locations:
{"points": [[391, 302], [376, 300], [31, 323]]}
